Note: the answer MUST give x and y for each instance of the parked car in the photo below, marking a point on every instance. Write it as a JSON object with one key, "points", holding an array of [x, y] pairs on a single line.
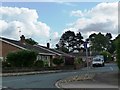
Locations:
{"points": [[98, 61]]}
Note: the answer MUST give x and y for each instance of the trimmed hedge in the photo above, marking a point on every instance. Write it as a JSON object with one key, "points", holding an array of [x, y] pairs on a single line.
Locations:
{"points": [[22, 58], [39, 63], [58, 60]]}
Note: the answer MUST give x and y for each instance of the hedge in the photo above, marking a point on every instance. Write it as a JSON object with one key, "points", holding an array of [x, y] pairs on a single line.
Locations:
{"points": [[22, 58], [58, 60]]}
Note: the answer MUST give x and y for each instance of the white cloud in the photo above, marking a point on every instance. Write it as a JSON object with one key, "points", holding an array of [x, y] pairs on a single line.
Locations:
{"points": [[26, 19], [77, 13], [101, 18], [55, 35]]}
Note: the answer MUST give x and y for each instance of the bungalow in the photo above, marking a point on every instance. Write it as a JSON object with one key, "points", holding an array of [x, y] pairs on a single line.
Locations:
{"points": [[44, 53], [68, 59]]}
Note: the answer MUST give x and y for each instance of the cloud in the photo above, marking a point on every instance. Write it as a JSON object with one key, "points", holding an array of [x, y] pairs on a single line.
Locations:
{"points": [[66, 3], [24, 18], [101, 18], [77, 13]]}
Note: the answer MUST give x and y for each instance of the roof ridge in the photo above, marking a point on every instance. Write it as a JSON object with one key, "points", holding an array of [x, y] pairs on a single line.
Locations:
{"points": [[45, 48]]}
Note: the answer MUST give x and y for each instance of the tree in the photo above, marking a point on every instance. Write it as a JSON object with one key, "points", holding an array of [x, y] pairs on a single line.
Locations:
{"points": [[99, 42], [109, 36], [107, 56], [110, 47], [31, 41], [78, 41], [70, 42], [118, 50]]}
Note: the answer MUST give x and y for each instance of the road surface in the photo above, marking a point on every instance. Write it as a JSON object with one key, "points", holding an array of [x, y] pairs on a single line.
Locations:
{"points": [[49, 80]]}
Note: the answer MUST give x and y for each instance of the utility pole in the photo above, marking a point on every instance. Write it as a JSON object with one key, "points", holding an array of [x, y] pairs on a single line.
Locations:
{"points": [[85, 46]]}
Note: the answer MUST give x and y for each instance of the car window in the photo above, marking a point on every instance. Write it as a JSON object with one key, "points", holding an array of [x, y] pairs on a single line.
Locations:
{"points": [[96, 60]]}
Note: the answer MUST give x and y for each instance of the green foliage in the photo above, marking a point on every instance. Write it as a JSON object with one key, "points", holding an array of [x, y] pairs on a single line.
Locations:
{"points": [[78, 61], [5, 64], [107, 56], [31, 41], [22, 58], [70, 41], [58, 60], [46, 63], [118, 52], [39, 63], [99, 42]]}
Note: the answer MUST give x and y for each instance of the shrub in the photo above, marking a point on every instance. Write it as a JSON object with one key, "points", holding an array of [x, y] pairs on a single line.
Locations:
{"points": [[69, 60], [22, 58], [107, 56], [5, 64], [58, 60], [46, 63], [118, 53], [39, 63], [78, 61]]}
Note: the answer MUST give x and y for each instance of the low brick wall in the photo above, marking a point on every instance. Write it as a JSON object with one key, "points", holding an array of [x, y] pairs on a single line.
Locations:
{"points": [[28, 69]]}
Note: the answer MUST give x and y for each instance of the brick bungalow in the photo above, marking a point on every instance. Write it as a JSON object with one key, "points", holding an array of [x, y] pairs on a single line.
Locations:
{"points": [[45, 53]]}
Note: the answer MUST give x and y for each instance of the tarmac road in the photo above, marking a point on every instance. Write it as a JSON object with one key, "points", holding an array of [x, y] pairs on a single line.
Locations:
{"points": [[49, 80]]}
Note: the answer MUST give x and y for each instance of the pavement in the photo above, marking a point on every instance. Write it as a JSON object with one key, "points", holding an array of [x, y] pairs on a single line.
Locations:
{"points": [[29, 73], [106, 81], [48, 81]]}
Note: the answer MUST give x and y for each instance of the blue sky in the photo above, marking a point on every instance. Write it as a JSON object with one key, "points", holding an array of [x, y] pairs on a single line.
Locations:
{"points": [[63, 16], [54, 14]]}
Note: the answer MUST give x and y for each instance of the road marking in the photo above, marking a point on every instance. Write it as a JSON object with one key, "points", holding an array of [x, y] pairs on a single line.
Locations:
{"points": [[13, 80]]}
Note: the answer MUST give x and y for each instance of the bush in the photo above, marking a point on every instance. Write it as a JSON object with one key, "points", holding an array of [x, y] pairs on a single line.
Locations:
{"points": [[39, 63], [46, 63], [22, 58], [69, 60], [107, 56], [78, 61], [5, 64], [58, 60], [118, 53]]}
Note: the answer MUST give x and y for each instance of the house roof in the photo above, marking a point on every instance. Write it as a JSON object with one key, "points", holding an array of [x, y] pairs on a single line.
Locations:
{"points": [[40, 49], [20, 45], [58, 52]]}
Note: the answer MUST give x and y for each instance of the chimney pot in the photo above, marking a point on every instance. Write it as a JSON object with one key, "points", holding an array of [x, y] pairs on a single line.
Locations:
{"points": [[48, 45], [22, 39]]}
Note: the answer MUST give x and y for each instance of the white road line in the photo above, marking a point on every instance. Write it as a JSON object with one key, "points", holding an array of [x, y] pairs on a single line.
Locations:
{"points": [[14, 80]]}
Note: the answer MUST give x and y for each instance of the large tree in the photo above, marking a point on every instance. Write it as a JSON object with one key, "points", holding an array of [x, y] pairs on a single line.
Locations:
{"points": [[78, 41], [118, 50], [99, 42], [70, 41]]}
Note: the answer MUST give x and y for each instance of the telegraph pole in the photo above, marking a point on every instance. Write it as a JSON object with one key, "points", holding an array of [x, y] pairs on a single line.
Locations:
{"points": [[85, 46]]}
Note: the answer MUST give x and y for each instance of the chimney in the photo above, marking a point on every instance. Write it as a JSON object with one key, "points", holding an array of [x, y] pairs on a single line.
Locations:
{"points": [[48, 45], [22, 39]]}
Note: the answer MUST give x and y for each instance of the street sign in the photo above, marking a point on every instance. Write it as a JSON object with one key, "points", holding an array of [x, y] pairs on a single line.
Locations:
{"points": [[85, 45]]}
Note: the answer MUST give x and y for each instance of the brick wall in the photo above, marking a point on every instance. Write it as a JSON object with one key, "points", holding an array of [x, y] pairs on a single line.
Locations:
{"points": [[5, 48]]}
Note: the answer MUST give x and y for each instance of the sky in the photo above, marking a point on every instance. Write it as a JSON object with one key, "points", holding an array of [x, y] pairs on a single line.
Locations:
{"points": [[47, 21]]}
